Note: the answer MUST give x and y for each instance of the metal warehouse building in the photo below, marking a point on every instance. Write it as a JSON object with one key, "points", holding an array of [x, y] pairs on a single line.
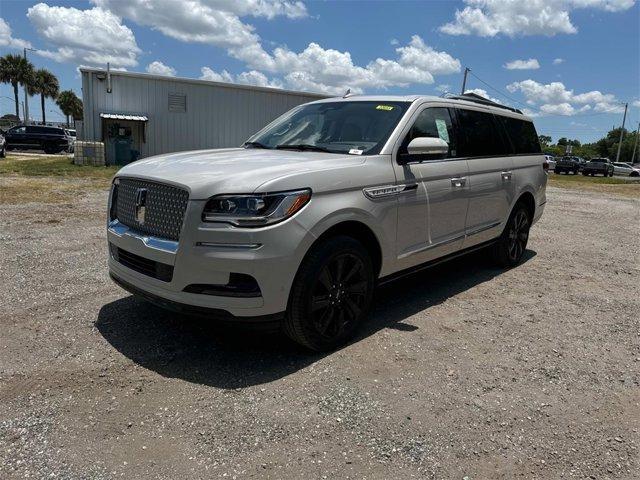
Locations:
{"points": [[137, 115]]}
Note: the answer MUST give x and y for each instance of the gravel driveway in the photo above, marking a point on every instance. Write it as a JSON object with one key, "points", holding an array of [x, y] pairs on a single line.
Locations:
{"points": [[463, 372]]}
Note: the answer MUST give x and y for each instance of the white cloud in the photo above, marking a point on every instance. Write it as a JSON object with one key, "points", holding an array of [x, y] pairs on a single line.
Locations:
{"points": [[331, 71], [220, 23], [636, 103], [483, 93], [443, 88], [159, 68], [92, 37], [531, 64], [558, 61], [8, 40], [488, 18], [558, 109], [556, 99], [252, 77]]}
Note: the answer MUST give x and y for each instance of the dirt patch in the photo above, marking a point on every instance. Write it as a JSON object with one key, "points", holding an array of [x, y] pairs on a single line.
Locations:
{"points": [[463, 371]]}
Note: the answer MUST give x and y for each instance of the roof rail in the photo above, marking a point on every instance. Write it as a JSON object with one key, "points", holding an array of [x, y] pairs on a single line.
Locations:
{"points": [[475, 98]]}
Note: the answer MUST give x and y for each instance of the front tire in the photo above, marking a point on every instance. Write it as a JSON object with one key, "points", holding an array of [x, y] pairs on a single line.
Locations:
{"points": [[510, 247], [3, 152], [331, 295]]}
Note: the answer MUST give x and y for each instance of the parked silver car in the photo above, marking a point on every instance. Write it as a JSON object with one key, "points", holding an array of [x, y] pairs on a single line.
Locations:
{"points": [[620, 168], [300, 224]]}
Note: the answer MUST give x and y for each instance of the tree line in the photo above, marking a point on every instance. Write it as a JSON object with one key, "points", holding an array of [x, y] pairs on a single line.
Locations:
{"points": [[606, 147], [18, 71]]}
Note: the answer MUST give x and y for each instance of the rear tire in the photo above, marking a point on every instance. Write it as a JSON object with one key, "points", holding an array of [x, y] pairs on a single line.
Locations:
{"points": [[510, 247], [331, 294], [3, 152]]}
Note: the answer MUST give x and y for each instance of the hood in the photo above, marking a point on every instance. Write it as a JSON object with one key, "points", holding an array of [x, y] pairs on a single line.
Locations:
{"points": [[232, 170]]}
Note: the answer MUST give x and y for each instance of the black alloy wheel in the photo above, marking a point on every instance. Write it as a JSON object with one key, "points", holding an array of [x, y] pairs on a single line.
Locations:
{"points": [[339, 296], [510, 247], [331, 294], [518, 235]]}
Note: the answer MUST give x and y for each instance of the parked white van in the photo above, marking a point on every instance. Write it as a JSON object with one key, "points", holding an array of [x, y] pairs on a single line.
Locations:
{"points": [[299, 224]]}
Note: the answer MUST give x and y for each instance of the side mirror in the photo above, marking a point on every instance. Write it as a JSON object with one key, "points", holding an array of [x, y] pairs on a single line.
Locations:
{"points": [[427, 146]]}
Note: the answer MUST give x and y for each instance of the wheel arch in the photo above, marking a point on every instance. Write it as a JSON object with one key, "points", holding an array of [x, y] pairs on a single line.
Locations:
{"points": [[529, 200], [361, 232]]}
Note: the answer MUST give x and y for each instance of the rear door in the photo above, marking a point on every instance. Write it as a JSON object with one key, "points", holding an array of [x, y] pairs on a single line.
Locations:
{"points": [[491, 186], [431, 216]]}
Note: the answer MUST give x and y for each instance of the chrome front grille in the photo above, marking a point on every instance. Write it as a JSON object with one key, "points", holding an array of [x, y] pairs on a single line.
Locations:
{"points": [[159, 212]]}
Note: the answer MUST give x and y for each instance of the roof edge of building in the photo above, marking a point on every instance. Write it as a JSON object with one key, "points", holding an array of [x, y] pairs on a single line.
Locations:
{"points": [[150, 76]]}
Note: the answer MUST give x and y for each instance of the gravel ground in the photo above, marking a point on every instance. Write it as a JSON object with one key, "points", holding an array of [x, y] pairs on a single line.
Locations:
{"points": [[463, 372]]}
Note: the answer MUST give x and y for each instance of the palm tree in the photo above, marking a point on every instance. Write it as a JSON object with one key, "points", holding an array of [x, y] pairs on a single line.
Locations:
{"points": [[69, 104], [15, 69], [46, 85]]}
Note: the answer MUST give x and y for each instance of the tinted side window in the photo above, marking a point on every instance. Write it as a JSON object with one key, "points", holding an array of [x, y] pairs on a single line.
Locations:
{"points": [[433, 122], [522, 134], [479, 135]]}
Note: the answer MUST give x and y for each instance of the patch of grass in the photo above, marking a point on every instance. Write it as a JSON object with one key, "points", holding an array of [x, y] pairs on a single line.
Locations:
{"points": [[16, 190], [618, 186], [52, 167]]}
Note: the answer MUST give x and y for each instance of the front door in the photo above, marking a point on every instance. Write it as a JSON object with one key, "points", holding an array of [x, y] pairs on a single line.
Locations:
{"points": [[431, 216]]}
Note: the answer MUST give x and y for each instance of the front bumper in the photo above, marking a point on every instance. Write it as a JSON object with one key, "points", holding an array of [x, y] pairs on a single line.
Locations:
{"points": [[209, 253]]}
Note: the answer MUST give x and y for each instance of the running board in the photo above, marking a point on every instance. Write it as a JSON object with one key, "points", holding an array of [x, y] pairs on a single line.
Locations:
{"points": [[432, 263]]}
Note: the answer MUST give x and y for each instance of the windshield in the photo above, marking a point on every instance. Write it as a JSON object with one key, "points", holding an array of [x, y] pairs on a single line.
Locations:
{"points": [[337, 127]]}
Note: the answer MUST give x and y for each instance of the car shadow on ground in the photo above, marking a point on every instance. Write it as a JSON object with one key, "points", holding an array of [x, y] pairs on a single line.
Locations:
{"points": [[197, 351]]}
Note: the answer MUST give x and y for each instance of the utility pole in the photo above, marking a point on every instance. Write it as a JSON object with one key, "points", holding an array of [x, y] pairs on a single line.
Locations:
{"points": [[464, 81], [635, 145], [624, 118], [26, 95]]}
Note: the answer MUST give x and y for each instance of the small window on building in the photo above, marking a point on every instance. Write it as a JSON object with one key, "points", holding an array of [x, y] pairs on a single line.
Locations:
{"points": [[177, 102]]}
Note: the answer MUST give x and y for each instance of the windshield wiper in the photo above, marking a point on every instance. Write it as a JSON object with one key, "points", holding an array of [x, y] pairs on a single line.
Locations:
{"points": [[256, 145], [303, 147]]}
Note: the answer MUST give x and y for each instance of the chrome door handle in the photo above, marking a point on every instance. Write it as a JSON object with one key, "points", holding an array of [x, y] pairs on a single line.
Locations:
{"points": [[506, 176], [458, 182]]}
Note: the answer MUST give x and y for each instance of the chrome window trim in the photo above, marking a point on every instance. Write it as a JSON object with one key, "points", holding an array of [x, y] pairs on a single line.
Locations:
{"points": [[120, 230]]}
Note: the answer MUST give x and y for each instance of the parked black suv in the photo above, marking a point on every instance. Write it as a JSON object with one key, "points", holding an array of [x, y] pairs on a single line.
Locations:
{"points": [[569, 164], [49, 139], [597, 166]]}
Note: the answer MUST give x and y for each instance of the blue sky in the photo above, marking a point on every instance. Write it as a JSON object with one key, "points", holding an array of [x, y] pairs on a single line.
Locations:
{"points": [[578, 59]]}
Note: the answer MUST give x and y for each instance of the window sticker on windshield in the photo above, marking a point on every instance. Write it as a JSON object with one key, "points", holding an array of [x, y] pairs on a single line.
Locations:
{"points": [[443, 133], [355, 151], [388, 108]]}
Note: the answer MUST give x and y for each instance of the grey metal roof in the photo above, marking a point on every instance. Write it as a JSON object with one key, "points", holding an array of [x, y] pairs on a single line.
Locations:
{"points": [[150, 76]]}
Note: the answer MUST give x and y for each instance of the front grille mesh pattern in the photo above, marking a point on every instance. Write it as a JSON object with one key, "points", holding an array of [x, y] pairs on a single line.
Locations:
{"points": [[164, 210]]}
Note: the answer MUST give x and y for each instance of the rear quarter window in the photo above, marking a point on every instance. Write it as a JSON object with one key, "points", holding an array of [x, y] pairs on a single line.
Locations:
{"points": [[522, 134]]}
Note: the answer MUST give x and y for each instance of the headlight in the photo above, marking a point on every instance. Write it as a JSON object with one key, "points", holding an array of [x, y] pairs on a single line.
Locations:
{"points": [[255, 210]]}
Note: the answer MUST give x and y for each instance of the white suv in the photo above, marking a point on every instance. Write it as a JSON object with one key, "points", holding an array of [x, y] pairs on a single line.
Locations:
{"points": [[300, 224]]}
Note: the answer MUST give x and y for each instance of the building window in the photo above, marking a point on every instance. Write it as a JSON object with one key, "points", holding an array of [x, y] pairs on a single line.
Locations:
{"points": [[177, 102]]}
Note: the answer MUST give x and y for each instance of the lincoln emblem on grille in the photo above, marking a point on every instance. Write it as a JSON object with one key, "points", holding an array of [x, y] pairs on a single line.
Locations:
{"points": [[141, 204]]}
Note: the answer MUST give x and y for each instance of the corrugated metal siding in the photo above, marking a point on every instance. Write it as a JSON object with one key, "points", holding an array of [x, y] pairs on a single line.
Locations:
{"points": [[215, 117]]}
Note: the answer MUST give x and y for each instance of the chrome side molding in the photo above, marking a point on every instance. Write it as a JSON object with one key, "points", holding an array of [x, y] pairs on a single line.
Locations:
{"points": [[388, 190]]}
